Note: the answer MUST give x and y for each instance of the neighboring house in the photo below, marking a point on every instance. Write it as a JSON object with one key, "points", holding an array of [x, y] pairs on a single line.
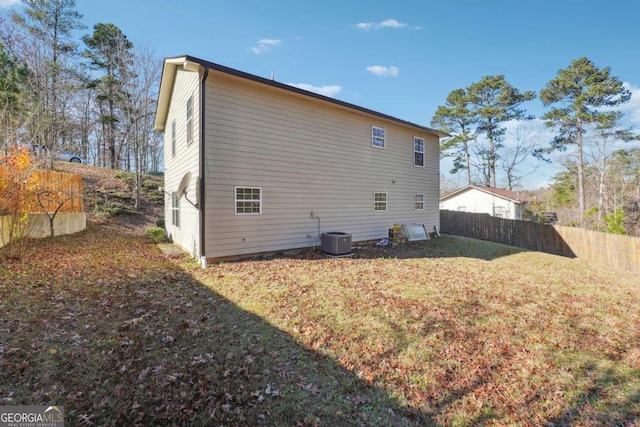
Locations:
{"points": [[272, 166], [493, 201]]}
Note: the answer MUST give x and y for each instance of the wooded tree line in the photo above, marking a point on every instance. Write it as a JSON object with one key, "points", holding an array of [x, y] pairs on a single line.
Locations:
{"points": [[63, 87], [93, 94], [583, 112]]}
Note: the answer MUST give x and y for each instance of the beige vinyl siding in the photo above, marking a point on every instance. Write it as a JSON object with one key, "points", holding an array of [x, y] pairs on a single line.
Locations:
{"points": [[306, 155], [186, 159]]}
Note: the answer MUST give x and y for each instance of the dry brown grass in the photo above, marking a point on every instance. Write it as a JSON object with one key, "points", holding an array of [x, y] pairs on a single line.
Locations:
{"points": [[447, 332]]}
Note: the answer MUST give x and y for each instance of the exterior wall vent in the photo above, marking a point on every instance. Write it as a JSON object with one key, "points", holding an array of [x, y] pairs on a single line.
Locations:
{"points": [[335, 243]]}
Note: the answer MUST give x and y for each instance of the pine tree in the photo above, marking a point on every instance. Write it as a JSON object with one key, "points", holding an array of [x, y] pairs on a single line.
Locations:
{"points": [[494, 102], [454, 118], [51, 24], [109, 51], [578, 94], [13, 76]]}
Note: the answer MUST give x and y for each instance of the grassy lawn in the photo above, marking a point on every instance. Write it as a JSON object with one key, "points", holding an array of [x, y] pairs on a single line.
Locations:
{"points": [[447, 332]]}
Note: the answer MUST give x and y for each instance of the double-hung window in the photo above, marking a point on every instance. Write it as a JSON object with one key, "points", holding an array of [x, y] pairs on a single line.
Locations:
{"points": [[418, 201], [248, 200], [378, 137], [190, 120], [418, 151], [175, 209], [379, 202]]}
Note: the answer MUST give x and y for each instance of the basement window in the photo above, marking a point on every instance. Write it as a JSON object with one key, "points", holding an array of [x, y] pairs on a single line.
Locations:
{"points": [[175, 209], [418, 201], [379, 202], [418, 151], [378, 137], [248, 200]]}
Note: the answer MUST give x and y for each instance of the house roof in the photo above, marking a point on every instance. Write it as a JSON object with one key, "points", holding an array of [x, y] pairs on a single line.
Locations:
{"points": [[498, 192], [193, 64]]}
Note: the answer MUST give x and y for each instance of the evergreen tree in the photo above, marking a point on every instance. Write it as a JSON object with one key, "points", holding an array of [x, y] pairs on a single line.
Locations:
{"points": [[109, 51], [13, 77], [481, 110], [494, 102], [51, 24], [454, 118], [578, 94]]}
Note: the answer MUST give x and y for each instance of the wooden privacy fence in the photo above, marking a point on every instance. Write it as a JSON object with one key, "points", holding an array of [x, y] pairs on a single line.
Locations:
{"points": [[50, 191], [612, 250]]}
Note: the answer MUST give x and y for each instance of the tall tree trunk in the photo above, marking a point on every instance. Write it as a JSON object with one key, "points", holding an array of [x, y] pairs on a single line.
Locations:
{"points": [[136, 149], [581, 199], [492, 165], [492, 155], [112, 135], [601, 185], [467, 162]]}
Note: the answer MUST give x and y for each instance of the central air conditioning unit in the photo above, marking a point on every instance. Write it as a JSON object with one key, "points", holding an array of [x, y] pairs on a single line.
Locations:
{"points": [[335, 243]]}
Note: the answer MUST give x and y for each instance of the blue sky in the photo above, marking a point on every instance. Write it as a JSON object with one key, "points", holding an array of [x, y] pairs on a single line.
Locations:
{"points": [[401, 58]]}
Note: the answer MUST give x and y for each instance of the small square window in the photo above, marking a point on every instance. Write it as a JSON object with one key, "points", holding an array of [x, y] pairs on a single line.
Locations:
{"points": [[418, 151], [379, 202], [418, 201], [248, 200], [378, 137]]}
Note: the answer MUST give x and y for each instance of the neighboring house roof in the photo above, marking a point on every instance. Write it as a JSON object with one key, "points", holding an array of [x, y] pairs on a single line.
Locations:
{"points": [[499, 192], [193, 64]]}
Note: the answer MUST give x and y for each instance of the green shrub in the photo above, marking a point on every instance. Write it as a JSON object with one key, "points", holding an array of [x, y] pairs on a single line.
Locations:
{"points": [[156, 234], [156, 196], [127, 177], [615, 222], [149, 184], [114, 210], [120, 195]]}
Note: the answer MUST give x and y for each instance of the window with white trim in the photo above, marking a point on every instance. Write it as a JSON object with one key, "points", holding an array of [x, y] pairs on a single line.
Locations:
{"points": [[248, 200], [378, 137], [175, 209], [418, 151], [190, 120], [173, 138], [379, 202], [418, 201]]}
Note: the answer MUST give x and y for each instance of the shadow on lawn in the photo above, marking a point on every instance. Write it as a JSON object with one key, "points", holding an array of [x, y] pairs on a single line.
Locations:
{"points": [[116, 341], [446, 246], [587, 407], [119, 342]]}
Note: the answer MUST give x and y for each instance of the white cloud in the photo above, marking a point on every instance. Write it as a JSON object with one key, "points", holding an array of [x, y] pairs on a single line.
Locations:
{"points": [[380, 70], [8, 3], [264, 45], [389, 23], [365, 25], [331, 90], [633, 106]]}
